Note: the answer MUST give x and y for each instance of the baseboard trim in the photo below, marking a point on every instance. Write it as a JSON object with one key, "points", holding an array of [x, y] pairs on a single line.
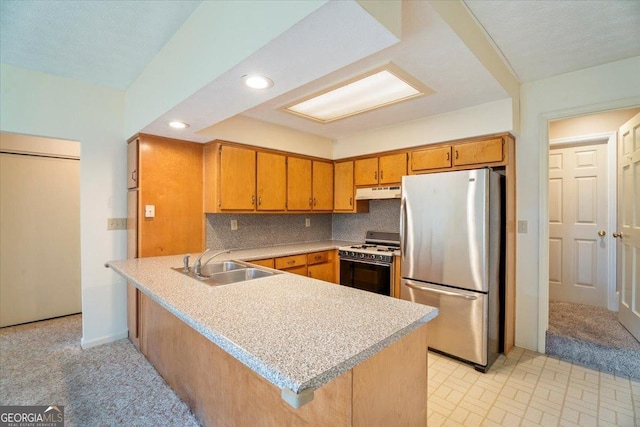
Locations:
{"points": [[103, 340]]}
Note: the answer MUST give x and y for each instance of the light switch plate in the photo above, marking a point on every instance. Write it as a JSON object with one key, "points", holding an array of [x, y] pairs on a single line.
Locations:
{"points": [[307, 222], [149, 211], [116, 223], [234, 224], [523, 227]]}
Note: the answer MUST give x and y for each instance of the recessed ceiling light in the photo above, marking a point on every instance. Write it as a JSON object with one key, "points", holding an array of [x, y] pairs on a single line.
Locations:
{"points": [[256, 81], [178, 125], [378, 88]]}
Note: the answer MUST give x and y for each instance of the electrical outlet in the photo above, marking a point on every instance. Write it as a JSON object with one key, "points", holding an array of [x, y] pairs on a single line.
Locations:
{"points": [[523, 227], [149, 211], [307, 222], [116, 223], [234, 224]]}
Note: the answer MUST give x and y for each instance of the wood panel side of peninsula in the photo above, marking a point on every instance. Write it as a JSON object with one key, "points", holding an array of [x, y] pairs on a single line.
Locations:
{"points": [[388, 388]]}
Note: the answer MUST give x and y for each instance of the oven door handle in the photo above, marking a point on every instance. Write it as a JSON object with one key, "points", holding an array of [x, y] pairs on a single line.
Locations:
{"points": [[364, 261], [439, 291]]}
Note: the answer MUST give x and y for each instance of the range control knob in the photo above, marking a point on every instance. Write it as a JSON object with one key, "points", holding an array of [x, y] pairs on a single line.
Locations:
{"points": [[361, 255]]}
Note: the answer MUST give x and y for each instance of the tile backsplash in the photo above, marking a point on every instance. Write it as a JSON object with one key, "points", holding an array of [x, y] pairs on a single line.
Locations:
{"points": [[383, 215], [265, 230], [277, 229]]}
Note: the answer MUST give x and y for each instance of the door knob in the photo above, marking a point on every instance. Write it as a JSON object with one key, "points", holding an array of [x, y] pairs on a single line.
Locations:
{"points": [[602, 233], [617, 235]]}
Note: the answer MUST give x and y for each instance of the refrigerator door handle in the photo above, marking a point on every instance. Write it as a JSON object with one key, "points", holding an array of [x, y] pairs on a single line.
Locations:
{"points": [[439, 291], [403, 224]]}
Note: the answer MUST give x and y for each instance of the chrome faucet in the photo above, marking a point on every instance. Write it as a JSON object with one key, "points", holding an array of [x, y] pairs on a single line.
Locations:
{"points": [[197, 265]]}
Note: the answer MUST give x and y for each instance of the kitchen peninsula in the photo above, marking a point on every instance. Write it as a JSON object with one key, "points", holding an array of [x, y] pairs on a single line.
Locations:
{"points": [[283, 349]]}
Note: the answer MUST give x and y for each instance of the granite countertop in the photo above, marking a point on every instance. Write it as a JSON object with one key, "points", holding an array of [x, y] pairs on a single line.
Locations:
{"points": [[296, 332]]}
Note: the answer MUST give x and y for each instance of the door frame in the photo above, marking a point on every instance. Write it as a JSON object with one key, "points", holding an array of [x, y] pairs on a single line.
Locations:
{"points": [[611, 139], [543, 199]]}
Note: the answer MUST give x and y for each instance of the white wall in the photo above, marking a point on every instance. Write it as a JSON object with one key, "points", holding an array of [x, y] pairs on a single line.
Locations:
{"points": [[40, 104], [606, 87], [482, 119]]}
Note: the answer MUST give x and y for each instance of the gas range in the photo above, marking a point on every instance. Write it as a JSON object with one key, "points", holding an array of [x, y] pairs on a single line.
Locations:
{"points": [[379, 246]]}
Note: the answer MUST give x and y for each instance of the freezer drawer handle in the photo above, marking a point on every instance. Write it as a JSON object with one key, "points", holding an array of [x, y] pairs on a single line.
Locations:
{"points": [[438, 291]]}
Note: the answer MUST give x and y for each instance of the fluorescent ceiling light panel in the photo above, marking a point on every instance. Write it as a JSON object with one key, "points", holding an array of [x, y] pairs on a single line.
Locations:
{"points": [[365, 94]]}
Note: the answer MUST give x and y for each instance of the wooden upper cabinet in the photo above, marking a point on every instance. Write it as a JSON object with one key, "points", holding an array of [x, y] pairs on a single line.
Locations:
{"points": [[388, 169], [343, 190], [322, 186], [366, 171], [480, 152], [271, 181], [237, 178], [392, 168], [171, 180], [132, 164], [299, 184], [431, 158]]}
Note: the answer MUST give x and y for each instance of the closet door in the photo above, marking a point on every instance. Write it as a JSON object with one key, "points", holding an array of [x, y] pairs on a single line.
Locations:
{"points": [[39, 238]]}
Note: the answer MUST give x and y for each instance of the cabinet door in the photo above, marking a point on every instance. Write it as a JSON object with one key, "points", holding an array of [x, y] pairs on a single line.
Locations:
{"points": [[271, 181], [472, 153], [392, 168], [132, 164], [322, 186], [298, 184], [343, 191], [237, 178], [323, 271], [431, 158], [300, 270], [366, 171]]}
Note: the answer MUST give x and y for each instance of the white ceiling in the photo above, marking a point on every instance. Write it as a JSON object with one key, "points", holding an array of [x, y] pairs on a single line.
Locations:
{"points": [[103, 42], [108, 42]]}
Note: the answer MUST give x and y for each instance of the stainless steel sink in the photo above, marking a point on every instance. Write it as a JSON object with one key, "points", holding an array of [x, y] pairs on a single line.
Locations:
{"points": [[227, 272], [235, 276], [219, 267]]}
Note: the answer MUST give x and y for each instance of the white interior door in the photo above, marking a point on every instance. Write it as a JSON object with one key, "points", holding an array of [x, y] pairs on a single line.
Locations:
{"points": [[578, 207], [629, 225], [39, 238]]}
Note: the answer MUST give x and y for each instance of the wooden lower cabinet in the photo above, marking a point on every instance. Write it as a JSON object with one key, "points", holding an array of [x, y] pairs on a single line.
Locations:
{"points": [[388, 389], [268, 262], [321, 265]]}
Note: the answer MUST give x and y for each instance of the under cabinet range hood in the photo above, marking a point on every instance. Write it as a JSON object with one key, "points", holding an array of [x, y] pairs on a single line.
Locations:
{"points": [[374, 193]]}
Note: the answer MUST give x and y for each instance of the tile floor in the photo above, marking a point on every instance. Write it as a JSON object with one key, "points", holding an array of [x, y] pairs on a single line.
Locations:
{"points": [[527, 388]]}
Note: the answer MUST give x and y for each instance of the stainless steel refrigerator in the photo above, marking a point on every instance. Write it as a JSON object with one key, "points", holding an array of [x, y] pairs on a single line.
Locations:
{"points": [[452, 246]]}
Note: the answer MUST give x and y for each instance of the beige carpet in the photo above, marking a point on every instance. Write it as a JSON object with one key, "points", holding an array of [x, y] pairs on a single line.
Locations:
{"points": [[593, 337], [110, 385]]}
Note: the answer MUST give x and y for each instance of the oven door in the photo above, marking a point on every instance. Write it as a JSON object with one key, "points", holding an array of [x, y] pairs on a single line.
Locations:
{"points": [[367, 276]]}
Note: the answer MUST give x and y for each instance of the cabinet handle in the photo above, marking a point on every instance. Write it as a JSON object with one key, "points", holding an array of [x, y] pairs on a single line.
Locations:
{"points": [[310, 202], [259, 200], [448, 156], [291, 261], [456, 154], [315, 201], [317, 257], [381, 175], [253, 200], [375, 175], [350, 201]]}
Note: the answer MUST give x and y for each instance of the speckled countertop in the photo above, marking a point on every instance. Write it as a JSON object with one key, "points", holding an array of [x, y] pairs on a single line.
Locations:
{"points": [[296, 332]]}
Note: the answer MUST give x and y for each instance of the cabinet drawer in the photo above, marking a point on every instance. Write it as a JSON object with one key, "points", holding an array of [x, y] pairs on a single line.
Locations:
{"points": [[472, 153], [318, 257], [291, 261], [431, 158], [268, 262]]}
